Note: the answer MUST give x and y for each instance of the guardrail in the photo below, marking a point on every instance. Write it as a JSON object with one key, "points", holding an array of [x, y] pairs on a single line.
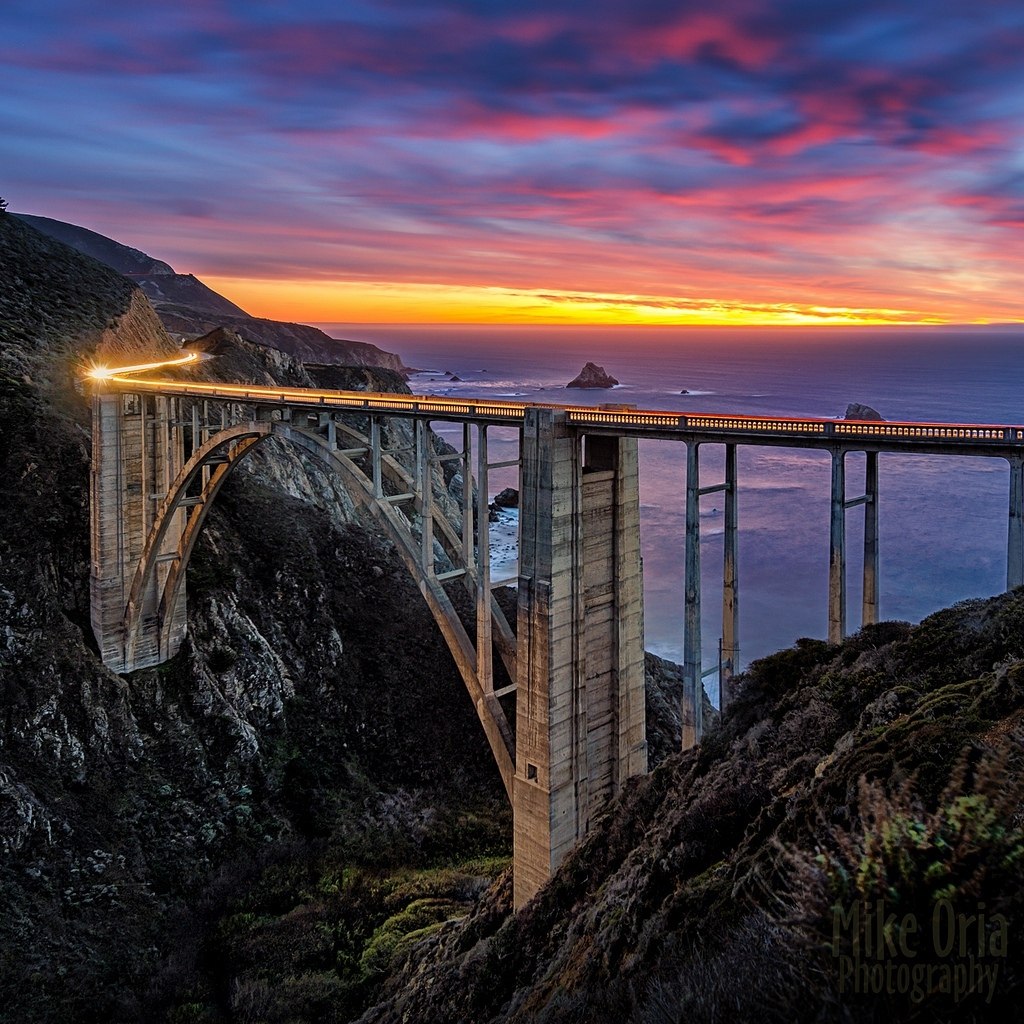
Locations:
{"points": [[513, 412]]}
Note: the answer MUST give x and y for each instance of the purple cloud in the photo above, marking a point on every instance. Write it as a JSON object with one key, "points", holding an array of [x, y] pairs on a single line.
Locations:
{"points": [[394, 138]]}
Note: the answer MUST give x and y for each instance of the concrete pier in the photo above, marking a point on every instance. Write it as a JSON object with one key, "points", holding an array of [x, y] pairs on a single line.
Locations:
{"points": [[837, 550], [1015, 530], [580, 728], [730, 584], [693, 683], [869, 605], [134, 458]]}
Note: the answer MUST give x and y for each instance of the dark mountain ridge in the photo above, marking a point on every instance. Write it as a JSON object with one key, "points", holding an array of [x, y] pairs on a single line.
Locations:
{"points": [[190, 309]]}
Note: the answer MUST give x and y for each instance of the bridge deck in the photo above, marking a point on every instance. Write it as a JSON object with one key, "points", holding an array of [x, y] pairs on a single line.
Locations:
{"points": [[985, 439]]}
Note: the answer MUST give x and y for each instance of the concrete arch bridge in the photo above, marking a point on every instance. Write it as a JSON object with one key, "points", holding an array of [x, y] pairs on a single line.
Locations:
{"points": [[163, 447]]}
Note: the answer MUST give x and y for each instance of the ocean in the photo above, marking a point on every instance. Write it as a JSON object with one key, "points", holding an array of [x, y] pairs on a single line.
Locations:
{"points": [[943, 520]]}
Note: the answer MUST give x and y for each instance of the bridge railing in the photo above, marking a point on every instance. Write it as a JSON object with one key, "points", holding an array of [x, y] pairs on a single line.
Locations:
{"points": [[655, 420]]}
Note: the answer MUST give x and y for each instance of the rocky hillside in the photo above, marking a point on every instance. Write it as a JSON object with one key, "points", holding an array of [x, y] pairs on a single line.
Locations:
{"points": [[297, 818], [883, 777], [309, 344], [132, 810], [156, 278], [189, 309], [256, 829]]}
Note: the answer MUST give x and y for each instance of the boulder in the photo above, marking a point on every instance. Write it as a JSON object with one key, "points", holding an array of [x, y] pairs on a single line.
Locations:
{"points": [[508, 498], [858, 411], [592, 376]]}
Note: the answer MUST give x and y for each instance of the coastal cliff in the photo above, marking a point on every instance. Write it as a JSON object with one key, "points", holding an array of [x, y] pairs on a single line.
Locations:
{"points": [[132, 810]]}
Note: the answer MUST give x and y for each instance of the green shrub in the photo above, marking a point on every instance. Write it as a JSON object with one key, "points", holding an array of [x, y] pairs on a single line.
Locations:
{"points": [[399, 932]]}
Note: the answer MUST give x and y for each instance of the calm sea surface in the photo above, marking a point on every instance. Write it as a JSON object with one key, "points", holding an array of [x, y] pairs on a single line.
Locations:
{"points": [[943, 519]]}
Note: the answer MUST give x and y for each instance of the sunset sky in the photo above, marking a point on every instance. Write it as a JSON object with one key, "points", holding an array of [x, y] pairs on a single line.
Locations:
{"points": [[793, 161]]}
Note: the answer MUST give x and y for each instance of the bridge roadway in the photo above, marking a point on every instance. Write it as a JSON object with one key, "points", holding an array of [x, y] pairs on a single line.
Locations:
{"points": [[162, 448], [979, 439]]}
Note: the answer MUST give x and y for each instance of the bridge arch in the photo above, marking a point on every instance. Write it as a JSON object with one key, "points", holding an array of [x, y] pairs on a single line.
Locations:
{"points": [[210, 465]]}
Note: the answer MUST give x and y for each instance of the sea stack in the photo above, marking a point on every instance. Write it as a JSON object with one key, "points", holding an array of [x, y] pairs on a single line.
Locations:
{"points": [[858, 411], [592, 376]]}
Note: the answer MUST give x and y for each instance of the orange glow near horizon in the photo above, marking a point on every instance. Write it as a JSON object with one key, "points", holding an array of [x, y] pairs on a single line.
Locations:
{"points": [[413, 303]]}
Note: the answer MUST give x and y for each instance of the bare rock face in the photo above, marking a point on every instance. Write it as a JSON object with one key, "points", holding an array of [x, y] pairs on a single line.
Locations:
{"points": [[858, 411], [592, 376]]}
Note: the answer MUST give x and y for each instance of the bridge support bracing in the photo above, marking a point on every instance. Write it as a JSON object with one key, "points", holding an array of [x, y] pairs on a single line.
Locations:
{"points": [[580, 728], [869, 605], [730, 584], [467, 495], [375, 456], [1015, 530], [693, 685], [837, 551]]}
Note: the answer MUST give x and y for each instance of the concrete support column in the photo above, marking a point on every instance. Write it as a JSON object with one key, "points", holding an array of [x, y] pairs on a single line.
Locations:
{"points": [[206, 434], [375, 456], [132, 465], [424, 476], [484, 641], [145, 449], [467, 496], [108, 578], [730, 584], [579, 699], [195, 442], [869, 613], [162, 439], [177, 453], [837, 551], [613, 719], [693, 686], [1015, 530]]}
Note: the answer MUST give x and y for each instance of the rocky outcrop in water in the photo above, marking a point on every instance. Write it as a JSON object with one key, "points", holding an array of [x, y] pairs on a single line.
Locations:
{"points": [[859, 411], [507, 498], [592, 376]]}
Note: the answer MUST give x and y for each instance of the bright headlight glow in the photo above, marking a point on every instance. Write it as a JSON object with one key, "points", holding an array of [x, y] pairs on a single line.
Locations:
{"points": [[108, 373]]}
